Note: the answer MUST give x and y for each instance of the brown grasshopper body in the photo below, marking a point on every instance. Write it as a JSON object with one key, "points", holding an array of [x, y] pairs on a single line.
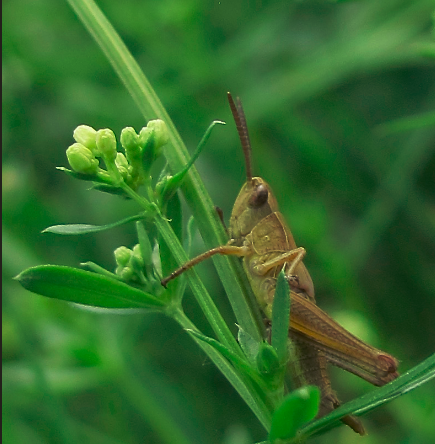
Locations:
{"points": [[259, 234]]}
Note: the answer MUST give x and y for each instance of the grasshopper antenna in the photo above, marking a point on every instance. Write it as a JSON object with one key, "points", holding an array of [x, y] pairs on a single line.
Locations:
{"points": [[242, 129]]}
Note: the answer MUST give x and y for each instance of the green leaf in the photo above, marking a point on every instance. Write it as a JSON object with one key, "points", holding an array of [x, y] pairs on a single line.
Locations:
{"points": [[281, 317], [95, 268], [267, 360], [250, 345], [238, 362], [84, 287], [299, 407], [88, 177], [69, 229], [408, 123], [244, 386], [175, 181], [110, 189], [410, 380]]}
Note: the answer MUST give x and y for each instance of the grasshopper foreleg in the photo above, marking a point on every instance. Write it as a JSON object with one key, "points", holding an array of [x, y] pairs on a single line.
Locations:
{"points": [[228, 250]]}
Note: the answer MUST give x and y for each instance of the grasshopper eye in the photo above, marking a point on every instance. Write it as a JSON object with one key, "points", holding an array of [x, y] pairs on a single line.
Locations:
{"points": [[258, 197]]}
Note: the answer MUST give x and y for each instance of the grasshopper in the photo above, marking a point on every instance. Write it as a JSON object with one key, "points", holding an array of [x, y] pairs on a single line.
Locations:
{"points": [[259, 234]]}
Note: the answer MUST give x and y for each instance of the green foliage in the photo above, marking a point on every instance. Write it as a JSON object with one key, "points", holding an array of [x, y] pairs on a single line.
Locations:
{"points": [[297, 409], [280, 318], [83, 287], [340, 113]]}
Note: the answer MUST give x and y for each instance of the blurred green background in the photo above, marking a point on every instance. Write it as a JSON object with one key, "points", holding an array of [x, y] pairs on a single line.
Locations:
{"points": [[340, 101]]}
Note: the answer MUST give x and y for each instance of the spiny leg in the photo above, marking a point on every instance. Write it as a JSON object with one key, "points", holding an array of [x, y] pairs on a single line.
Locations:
{"points": [[295, 256], [223, 249]]}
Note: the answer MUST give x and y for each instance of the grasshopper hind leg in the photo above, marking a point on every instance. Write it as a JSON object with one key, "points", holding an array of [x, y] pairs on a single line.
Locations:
{"points": [[310, 368]]}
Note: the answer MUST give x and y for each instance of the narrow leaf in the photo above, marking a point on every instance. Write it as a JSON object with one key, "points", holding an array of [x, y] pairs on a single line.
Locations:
{"points": [[281, 317], [176, 180], [88, 177], [69, 229], [84, 287], [95, 268], [250, 345], [267, 360], [110, 189], [239, 363]]}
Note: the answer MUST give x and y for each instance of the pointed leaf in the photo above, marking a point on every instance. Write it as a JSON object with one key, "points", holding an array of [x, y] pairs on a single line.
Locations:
{"points": [[281, 317], [110, 189], [267, 360], [88, 177], [69, 229], [175, 181], [84, 287], [95, 268], [249, 345], [240, 363]]}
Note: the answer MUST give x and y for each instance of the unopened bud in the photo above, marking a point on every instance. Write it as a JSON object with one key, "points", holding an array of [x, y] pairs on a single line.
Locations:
{"points": [[131, 143], [126, 273], [86, 135], [155, 130], [122, 256], [136, 261], [154, 136], [81, 159], [137, 253], [161, 135], [106, 144]]}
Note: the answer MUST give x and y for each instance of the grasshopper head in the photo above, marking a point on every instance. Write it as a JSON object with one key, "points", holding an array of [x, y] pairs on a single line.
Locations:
{"points": [[254, 202]]}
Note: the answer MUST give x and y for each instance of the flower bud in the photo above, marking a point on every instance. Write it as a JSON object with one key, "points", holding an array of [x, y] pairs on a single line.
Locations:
{"points": [[122, 256], [86, 135], [137, 253], [126, 273], [106, 144], [136, 261], [153, 137], [81, 159], [132, 145]]}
